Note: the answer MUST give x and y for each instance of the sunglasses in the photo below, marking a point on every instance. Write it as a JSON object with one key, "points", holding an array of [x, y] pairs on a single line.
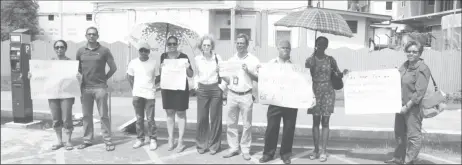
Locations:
{"points": [[206, 45], [172, 44], [413, 52], [60, 47], [92, 34], [145, 50]]}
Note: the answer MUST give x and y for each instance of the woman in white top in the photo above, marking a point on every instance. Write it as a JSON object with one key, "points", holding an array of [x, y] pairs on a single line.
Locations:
{"points": [[209, 89]]}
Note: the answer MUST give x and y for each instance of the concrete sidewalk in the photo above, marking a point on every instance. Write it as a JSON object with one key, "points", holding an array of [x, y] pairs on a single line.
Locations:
{"points": [[444, 127]]}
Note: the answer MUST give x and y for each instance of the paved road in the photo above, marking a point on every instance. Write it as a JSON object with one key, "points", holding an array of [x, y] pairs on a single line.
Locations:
{"points": [[20, 146], [122, 111]]}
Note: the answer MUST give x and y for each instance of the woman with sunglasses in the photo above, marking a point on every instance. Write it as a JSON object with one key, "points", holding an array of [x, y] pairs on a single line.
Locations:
{"points": [[176, 101], [415, 76], [61, 109], [209, 89]]}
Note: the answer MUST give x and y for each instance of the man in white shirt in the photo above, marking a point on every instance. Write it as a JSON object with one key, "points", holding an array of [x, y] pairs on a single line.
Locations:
{"points": [[274, 116], [141, 74], [240, 100]]}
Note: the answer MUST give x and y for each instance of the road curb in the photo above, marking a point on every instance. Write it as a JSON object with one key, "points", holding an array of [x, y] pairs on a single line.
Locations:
{"points": [[336, 132]]}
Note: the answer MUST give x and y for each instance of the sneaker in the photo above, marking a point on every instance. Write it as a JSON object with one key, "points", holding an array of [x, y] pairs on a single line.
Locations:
{"points": [[153, 144], [138, 144]]}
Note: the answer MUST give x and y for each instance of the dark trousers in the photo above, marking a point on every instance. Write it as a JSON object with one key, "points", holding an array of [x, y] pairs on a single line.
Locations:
{"points": [[408, 134], [289, 118], [61, 111], [89, 96], [209, 102], [143, 106]]}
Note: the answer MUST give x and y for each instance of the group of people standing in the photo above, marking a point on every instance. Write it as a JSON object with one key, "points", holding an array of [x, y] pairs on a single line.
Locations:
{"points": [[143, 74]]}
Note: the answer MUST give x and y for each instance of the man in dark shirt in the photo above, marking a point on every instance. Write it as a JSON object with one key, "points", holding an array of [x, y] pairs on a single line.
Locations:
{"points": [[92, 65]]}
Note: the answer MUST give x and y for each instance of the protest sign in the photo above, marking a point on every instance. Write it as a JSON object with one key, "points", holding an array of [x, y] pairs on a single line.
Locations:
{"points": [[285, 85], [54, 79], [373, 92], [230, 68], [173, 74]]}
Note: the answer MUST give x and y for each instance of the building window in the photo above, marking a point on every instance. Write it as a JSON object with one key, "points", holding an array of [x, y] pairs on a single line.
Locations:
{"points": [[51, 17], [389, 5], [282, 35], [225, 33], [403, 3], [353, 26], [89, 17], [431, 2], [447, 5]]}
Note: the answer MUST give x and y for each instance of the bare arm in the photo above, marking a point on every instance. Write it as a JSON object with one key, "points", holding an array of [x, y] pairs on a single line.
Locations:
{"points": [[112, 66], [131, 80]]}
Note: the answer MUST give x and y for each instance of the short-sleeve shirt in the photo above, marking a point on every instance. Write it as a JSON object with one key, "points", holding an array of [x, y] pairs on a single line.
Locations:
{"points": [[92, 65], [144, 73], [244, 82]]}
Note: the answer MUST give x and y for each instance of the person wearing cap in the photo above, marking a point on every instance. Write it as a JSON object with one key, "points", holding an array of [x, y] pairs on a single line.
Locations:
{"points": [[141, 75]]}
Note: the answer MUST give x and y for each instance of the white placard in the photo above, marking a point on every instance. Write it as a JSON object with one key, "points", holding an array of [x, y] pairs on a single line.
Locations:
{"points": [[173, 74], [373, 92], [285, 85], [54, 79], [230, 68]]}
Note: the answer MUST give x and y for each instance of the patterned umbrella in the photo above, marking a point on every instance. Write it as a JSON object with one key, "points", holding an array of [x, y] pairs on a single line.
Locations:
{"points": [[317, 19]]}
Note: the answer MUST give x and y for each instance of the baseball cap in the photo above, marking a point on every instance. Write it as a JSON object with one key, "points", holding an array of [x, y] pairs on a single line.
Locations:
{"points": [[144, 45]]}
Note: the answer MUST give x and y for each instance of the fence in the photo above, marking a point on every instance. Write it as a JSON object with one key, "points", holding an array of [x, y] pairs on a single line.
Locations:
{"points": [[445, 65]]}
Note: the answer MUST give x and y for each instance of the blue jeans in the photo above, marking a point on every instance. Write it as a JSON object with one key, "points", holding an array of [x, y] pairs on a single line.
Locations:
{"points": [[145, 106], [89, 96], [61, 111]]}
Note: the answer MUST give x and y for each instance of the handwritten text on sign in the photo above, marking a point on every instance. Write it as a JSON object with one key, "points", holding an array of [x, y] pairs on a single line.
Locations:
{"points": [[230, 68], [173, 76], [285, 85], [54, 79], [373, 92]]}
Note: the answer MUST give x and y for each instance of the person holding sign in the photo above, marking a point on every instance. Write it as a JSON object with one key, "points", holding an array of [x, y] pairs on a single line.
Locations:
{"points": [[93, 58], [240, 99], [415, 76], [321, 67], [274, 116], [209, 89], [61, 108], [176, 101], [141, 75]]}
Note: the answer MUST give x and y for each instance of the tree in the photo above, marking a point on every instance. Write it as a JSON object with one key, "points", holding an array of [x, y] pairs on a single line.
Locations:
{"points": [[18, 14]]}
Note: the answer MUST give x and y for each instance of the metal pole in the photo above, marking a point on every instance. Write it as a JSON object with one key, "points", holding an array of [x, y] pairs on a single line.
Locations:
{"points": [[166, 37]]}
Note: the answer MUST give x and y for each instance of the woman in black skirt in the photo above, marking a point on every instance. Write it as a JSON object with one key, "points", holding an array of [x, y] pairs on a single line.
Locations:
{"points": [[176, 101]]}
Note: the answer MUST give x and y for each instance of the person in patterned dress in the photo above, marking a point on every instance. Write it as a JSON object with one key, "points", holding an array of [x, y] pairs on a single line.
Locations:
{"points": [[320, 66]]}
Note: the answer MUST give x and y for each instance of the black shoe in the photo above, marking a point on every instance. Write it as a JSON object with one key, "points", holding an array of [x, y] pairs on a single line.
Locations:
{"points": [[265, 159], [231, 154], [286, 160], [393, 161]]}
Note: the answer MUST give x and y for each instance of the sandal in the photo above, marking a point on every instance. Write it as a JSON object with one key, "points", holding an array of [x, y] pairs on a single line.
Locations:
{"points": [[110, 147], [323, 157], [180, 148], [57, 146], [84, 145], [69, 146], [171, 146], [313, 155]]}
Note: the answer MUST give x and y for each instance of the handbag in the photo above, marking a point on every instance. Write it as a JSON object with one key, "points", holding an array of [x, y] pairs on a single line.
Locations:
{"points": [[335, 77], [433, 104]]}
